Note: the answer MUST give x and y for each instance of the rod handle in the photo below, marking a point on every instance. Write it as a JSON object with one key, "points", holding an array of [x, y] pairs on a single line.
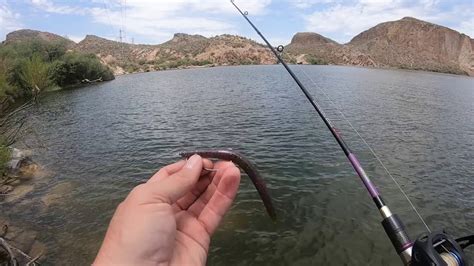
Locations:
{"points": [[395, 229]]}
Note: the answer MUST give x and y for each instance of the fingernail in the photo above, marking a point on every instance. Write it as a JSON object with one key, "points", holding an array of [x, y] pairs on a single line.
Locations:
{"points": [[193, 161]]}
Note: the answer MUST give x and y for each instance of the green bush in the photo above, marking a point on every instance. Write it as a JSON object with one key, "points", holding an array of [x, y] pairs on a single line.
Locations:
{"points": [[5, 87], [4, 158], [34, 74], [76, 67], [45, 64], [315, 61]]}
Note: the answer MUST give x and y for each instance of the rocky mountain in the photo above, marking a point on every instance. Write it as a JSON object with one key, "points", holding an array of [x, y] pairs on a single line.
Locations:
{"points": [[27, 35], [415, 44], [182, 50], [408, 43], [312, 48]]}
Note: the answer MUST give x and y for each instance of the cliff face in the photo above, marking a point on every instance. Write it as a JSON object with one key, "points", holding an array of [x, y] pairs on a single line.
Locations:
{"points": [[408, 43], [415, 44]]}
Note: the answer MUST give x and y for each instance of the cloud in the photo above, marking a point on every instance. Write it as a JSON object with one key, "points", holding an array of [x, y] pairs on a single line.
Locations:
{"points": [[467, 27], [9, 21], [157, 22], [343, 20], [75, 38], [310, 3], [51, 7]]}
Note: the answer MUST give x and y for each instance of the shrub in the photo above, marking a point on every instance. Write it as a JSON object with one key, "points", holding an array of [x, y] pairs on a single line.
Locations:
{"points": [[34, 75], [5, 87], [315, 61], [75, 67], [4, 158]]}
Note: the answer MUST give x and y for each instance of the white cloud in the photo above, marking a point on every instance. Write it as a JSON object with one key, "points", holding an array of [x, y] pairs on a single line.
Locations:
{"points": [[467, 27], [157, 21], [51, 7], [9, 21], [342, 21], [310, 3], [75, 38]]}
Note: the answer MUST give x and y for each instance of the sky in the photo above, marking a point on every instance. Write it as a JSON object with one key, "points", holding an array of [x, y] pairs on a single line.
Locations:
{"points": [[155, 21]]}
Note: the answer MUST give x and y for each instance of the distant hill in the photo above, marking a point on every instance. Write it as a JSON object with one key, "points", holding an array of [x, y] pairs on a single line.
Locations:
{"points": [[408, 43], [182, 50], [27, 35], [415, 44], [312, 48]]}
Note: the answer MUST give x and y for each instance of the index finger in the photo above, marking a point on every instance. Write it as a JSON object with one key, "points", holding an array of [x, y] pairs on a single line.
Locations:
{"points": [[174, 168], [167, 171]]}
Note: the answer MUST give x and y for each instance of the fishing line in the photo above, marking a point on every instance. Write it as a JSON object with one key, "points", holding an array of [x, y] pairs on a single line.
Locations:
{"points": [[424, 250], [368, 146]]}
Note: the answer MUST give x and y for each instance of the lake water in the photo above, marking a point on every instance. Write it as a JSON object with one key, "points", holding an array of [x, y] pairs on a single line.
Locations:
{"points": [[105, 139]]}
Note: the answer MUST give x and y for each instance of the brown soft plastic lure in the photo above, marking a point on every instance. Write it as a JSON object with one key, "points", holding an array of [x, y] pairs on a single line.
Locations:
{"points": [[248, 168]]}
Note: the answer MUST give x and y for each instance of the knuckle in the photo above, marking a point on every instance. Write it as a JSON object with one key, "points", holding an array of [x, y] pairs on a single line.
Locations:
{"points": [[138, 191]]}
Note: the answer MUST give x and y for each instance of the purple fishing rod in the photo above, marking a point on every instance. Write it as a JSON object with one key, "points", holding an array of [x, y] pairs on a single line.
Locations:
{"points": [[391, 222]]}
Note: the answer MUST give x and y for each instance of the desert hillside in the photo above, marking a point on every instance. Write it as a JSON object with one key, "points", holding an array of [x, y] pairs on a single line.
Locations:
{"points": [[407, 43]]}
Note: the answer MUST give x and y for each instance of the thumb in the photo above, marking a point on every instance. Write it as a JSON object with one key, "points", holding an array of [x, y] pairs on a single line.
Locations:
{"points": [[177, 185]]}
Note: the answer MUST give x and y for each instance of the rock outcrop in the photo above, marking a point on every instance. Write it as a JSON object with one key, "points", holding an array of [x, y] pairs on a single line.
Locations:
{"points": [[415, 44], [408, 43]]}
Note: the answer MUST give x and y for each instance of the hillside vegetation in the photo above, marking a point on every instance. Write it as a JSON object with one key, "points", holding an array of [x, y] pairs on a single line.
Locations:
{"points": [[29, 67]]}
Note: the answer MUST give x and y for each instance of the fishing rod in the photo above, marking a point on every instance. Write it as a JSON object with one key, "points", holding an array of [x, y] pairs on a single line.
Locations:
{"points": [[434, 248]]}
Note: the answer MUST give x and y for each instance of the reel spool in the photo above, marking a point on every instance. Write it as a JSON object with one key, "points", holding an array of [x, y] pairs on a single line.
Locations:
{"points": [[440, 249]]}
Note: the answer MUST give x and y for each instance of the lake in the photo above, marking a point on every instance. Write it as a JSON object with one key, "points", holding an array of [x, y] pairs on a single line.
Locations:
{"points": [[101, 141]]}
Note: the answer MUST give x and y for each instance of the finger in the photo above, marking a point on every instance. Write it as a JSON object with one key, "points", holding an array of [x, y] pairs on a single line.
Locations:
{"points": [[177, 185], [204, 181], [204, 198], [190, 197], [167, 171], [206, 164], [175, 167], [222, 199]]}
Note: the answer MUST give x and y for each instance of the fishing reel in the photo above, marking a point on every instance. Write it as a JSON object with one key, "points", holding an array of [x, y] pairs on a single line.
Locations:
{"points": [[440, 249]]}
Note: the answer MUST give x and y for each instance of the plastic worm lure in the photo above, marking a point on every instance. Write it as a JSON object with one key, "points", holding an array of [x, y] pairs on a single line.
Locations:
{"points": [[248, 168]]}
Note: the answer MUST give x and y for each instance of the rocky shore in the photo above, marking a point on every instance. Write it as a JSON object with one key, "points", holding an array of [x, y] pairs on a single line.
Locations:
{"points": [[16, 242]]}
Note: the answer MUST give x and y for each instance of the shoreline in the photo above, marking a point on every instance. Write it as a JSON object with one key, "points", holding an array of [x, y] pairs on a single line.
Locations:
{"points": [[351, 66]]}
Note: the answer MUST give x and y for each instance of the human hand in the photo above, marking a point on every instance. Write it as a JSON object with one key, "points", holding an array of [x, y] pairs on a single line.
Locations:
{"points": [[171, 218]]}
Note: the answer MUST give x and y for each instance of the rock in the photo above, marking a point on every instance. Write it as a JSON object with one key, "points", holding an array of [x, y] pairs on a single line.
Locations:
{"points": [[18, 158], [5, 189], [31, 170], [16, 153], [23, 239], [14, 164], [18, 192], [57, 193]]}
